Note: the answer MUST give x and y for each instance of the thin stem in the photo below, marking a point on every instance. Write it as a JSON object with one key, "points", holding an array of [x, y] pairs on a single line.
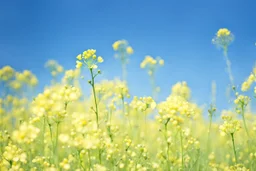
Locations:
{"points": [[123, 110], [80, 160], [209, 131], [89, 159], [181, 145], [123, 107], [43, 133], [153, 84], [99, 155], [56, 143], [234, 148], [167, 143], [95, 100], [228, 63], [50, 128], [124, 71], [244, 122], [123, 66]]}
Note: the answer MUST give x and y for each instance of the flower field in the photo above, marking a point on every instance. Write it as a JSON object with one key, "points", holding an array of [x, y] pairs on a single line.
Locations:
{"points": [[61, 128]]}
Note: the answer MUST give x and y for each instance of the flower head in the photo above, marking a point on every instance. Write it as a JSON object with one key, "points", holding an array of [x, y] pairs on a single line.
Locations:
{"points": [[229, 126], [88, 58], [223, 38], [151, 64]]}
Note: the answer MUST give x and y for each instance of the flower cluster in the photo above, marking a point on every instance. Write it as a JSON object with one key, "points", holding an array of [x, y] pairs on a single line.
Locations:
{"points": [[88, 58], [223, 38], [6, 73], [70, 76], [26, 133], [177, 106], [65, 164], [53, 101], [241, 102], [24, 78], [142, 104], [249, 81], [181, 89], [151, 64], [229, 126], [13, 157], [54, 67], [123, 47]]}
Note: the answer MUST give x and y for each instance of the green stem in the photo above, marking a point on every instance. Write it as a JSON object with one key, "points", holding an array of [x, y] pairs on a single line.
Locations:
{"points": [[50, 128], [234, 148], [167, 143], [123, 66], [181, 145], [43, 134], [209, 133], [56, 144], [123, 109], [95, 100], [89, 159], [228, 63], [244, 122], [80, 160], [99, 155], [153, 84]]}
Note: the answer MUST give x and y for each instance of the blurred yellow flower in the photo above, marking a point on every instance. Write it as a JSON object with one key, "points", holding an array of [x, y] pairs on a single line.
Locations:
{"points": [[100, 59], [223, 32], [129, 50]]}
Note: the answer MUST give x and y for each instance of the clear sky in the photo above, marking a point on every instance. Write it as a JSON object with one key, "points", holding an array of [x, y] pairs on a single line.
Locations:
{"points": [[33, 31]]}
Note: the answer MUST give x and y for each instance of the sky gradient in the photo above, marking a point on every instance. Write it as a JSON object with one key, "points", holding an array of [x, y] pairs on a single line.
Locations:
{"points": [[31, 32]]}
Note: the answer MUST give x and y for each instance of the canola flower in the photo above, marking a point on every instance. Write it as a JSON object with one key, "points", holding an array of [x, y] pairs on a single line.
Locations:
{"points": [[54, 67], [241, 103], [151, 65], [13, 158], [71, 77], [90, 60], [66, 127], [6, 73], [230, 127], [123, 51], [26, 133], [223, 39], [249, 81]]}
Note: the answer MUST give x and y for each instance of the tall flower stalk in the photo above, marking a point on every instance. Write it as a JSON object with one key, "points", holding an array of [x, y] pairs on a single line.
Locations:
{"points": [[89, 59], [223, 39], [123, 51], [150, 65], [230, 127]]}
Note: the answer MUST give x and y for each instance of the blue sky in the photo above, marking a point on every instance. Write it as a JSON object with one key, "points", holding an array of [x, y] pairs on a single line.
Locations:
{"points": [[31, 32]]}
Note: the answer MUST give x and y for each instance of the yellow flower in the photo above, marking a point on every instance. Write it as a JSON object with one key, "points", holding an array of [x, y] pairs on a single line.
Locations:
{"points": [[161, 62], [129, 50], [100, 59], [115, 45], [229, 126], [181, 89], [6, 73], [26, 133], [54, 67], [79, 57], [90, 59], [223, 38], [79, 64], [223, 32]]}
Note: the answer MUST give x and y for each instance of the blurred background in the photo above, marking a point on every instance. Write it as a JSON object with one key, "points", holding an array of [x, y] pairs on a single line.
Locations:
{"points": [[31, 32]]}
